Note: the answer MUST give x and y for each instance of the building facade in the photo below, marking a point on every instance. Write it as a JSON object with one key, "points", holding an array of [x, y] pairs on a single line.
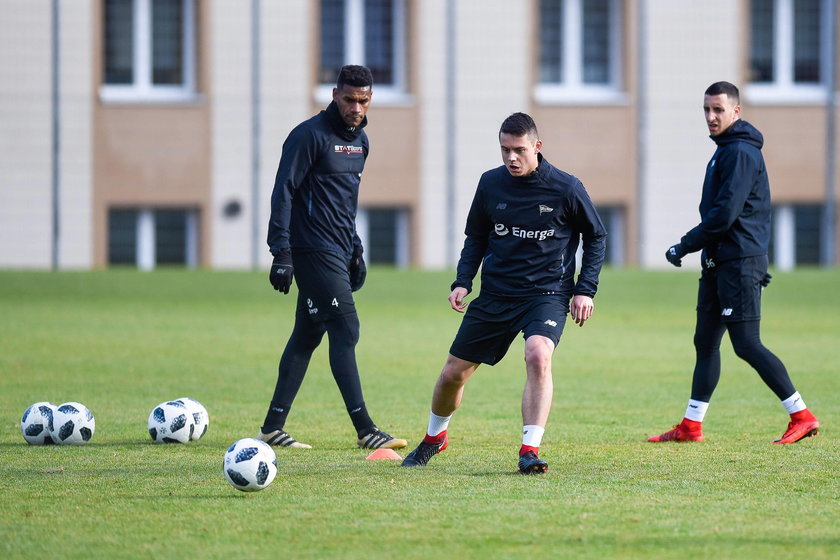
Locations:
{"points": [[148, 132]]}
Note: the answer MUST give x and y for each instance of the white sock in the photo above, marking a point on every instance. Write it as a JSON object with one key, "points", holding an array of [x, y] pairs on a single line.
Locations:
{"points": [[437, 424], [696, 410], [532, 435], [794, 403]]}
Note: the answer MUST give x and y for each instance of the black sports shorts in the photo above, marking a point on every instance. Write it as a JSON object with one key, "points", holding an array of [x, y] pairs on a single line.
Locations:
{"points": [[490, 325], [323, 284], [733, 289]]}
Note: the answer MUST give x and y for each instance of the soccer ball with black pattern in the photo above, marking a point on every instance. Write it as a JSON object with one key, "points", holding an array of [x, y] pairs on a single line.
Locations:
{"points": [[35, 423], [200, 417], [250, 465], [72, 423], [171, 422]]}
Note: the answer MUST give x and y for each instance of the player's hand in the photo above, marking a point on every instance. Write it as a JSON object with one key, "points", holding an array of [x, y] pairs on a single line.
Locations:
{"points": [[582, 308], [456, 299], [282, 271], [358, 272], [674, 254], [765, 281]]}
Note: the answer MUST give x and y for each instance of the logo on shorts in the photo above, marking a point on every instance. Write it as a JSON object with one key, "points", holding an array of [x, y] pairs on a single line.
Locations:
{"points": [[726, 312], [312, 310], [550, 323]]}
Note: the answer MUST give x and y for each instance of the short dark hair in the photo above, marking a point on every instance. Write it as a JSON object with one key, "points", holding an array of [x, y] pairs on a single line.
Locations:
{"points": [[730, 90], [519, 124], [355, 76]]}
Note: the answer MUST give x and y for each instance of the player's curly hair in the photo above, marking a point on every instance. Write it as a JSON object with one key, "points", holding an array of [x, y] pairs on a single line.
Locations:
{"points": [[355, 76], [520, 124]]}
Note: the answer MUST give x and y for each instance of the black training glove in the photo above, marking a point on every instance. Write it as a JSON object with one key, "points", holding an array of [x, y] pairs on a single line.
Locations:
{"points": [[358, 272], [765, 281], [282, 271], [674, 254]]}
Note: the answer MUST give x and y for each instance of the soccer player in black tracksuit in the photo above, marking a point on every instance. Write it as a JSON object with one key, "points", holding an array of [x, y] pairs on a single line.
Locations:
{"points": [[312, 235], [733, 234], [523, 229]]}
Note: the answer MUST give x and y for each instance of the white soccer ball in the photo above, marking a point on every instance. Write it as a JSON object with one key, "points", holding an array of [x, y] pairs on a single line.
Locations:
{"points": [[35, 423], [250, 465], [171, 422], [200, 417], [72, 423]]}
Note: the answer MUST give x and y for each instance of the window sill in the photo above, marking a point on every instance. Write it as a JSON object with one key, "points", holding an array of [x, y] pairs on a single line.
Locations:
{"points": [[559, 95], [772, 94], [158, 96], [382, 96]]}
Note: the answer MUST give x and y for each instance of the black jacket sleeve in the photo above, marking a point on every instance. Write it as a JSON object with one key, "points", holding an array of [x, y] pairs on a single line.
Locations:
{"points": [[477, 231], [300, 152], [594, 237], [738, 171]]}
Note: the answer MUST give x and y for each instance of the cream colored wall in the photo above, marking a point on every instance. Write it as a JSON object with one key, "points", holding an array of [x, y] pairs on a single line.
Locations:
{"points": [[684, 55], [230, 132], [430, 231], [25, 135], [286, 92], [493, 68]]}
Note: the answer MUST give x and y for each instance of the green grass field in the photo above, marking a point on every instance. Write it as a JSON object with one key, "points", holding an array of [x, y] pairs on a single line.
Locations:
{"points": [[122, 341]]}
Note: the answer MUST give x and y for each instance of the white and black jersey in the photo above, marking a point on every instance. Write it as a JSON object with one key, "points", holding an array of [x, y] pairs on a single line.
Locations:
{"points": [[524, 233]]}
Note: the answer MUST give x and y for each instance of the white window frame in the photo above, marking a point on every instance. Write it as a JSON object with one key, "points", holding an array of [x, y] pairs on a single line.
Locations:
{"points": [[783, 89], [354, 53], [572, 88], [143, 90]]}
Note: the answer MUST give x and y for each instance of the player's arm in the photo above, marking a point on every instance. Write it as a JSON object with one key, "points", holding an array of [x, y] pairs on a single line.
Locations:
{"points": [[594, 244], [740, 170], [298, 156], [477, 233]]}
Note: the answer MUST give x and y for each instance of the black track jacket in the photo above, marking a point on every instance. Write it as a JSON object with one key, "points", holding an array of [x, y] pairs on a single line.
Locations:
{"points": [[735, 207], [316, 190], [524, 232]]}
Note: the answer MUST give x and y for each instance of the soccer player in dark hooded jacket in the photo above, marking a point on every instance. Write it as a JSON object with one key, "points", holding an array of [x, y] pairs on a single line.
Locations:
{"points": [[312, 236], [523, 229], [733, 235]]}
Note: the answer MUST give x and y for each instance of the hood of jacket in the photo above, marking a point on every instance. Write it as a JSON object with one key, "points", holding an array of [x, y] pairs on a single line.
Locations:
{"points": [[740, 131], [340, 127]]}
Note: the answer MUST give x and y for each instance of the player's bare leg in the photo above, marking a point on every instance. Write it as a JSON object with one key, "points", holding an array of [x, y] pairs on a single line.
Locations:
{"points": [[446, 398], [536, 402]]}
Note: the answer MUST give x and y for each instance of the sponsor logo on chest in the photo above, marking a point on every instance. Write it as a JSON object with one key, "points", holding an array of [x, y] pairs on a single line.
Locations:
{"points": [[349, 150]]}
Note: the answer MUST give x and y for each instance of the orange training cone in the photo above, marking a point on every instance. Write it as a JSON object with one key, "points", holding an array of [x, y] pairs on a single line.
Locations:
{"points": [[383, 453]]}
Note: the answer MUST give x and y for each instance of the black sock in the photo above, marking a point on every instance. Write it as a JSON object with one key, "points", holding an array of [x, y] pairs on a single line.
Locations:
{"points": [[361, 420], [275, 418]]}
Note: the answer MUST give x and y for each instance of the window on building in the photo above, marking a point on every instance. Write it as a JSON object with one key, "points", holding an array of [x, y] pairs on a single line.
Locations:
{"points": [[613, 219], [149, 50], [788, 49], [796, 235], [579, 50], [147, 238], [368, 32], [384, 234]]}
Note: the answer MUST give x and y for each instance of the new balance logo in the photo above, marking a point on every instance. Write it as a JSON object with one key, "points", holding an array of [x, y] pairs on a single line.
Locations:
{"points": [[726, 312], [501, 206], [550, 323]]}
